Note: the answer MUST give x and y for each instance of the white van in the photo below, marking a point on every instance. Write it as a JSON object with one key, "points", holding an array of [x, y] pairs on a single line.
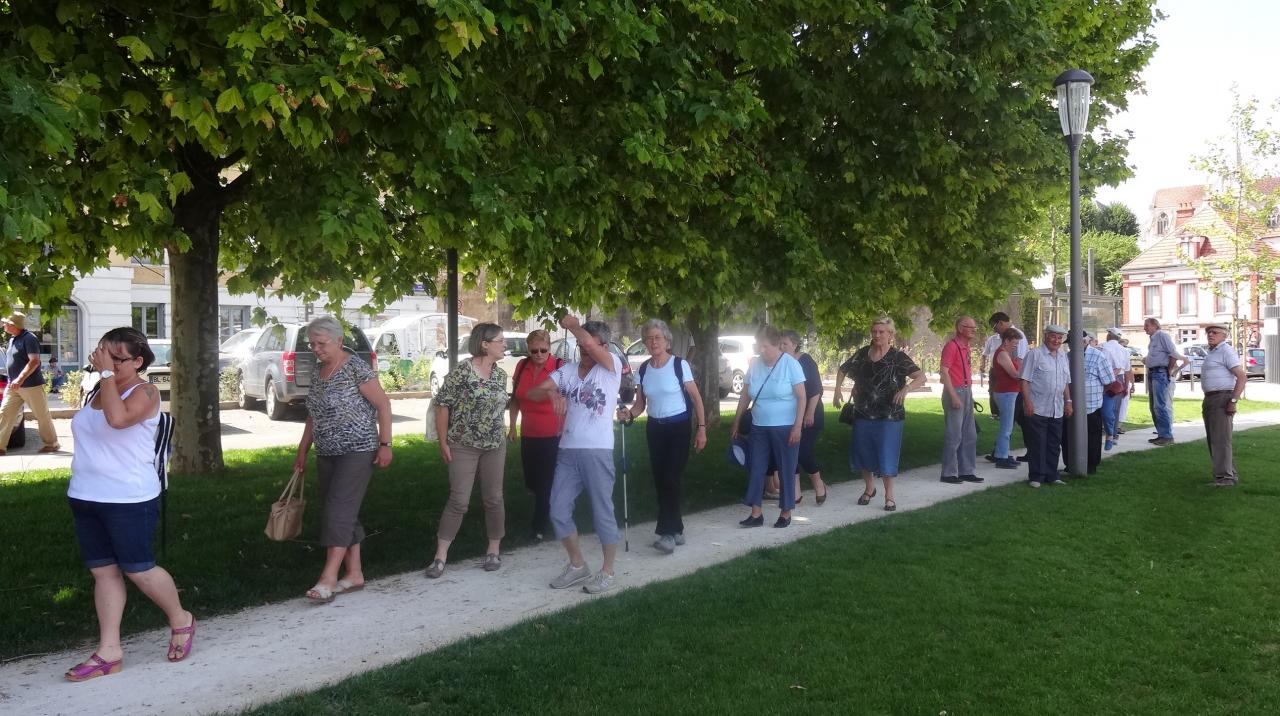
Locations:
{"points": [[400, 340]]}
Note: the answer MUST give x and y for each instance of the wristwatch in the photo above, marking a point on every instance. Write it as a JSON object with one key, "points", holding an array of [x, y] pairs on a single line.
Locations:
{"points": [[1235, 400], [107, 373]]}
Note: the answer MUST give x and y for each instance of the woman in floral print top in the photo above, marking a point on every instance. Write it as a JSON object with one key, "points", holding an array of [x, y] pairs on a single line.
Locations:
{"points": [[470, 406]]}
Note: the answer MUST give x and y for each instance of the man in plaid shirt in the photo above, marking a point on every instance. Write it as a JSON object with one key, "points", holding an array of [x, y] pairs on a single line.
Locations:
{"points": [[1097, 374]]}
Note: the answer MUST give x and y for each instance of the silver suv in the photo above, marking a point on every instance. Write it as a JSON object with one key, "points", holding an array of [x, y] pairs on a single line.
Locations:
{"points": [[279, 368]]}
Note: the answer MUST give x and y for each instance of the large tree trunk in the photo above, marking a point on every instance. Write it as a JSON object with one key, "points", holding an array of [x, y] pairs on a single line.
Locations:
{"points": [[704, 327], [197, 439]]}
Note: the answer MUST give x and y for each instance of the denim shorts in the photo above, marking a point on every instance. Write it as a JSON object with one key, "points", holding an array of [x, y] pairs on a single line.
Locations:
{"points": [[111, 533]]}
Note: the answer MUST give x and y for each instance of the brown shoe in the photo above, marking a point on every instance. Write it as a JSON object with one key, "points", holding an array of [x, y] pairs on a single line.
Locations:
{"points": [[50, 448]]}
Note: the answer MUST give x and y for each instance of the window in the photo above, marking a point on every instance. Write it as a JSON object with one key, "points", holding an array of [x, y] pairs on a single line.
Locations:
{"points": [[1162, 223], [149, 318], [232, 320], [1224, 297], [272, 339], [1151, 300], [1186, 299], [387, 344]]}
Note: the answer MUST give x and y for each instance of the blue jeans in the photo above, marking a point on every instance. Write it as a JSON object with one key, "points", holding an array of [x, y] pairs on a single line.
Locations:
{"points": [[1006, 402], [1161, 401], [768, 444], [1110, 413]]}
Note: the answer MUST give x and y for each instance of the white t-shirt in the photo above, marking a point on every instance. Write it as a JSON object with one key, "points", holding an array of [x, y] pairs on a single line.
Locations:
{"points": [[114, 465], [593, 401], [663, 394], [1118, 354], [993, 344]]}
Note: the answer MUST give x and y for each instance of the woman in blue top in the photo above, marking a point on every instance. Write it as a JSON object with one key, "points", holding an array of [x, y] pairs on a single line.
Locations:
{"points": [[775, 395], [670, 395]]}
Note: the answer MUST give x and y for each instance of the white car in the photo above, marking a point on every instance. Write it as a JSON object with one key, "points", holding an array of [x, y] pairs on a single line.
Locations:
{"points": [[739, 350], [517, 348]]}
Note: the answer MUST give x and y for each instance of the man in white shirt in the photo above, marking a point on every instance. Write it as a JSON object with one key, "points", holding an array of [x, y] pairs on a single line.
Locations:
{"points": [[1223, 379], [586, 393], [1046, 403], [1113, 405], [1000, 323]]}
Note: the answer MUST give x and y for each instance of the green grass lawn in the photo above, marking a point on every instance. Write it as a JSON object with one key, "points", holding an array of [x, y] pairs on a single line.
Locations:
{"points": [[1139, 591], [222, 562]]}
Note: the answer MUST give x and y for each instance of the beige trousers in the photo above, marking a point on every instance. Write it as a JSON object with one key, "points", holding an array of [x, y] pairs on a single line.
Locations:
{"points": [[467, 464], [11, 410]]}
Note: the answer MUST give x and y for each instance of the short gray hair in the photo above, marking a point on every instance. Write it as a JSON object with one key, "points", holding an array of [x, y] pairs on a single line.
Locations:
{"points": [[660, 325], [328, 325], [794, 337], [480, 333], [884, 321], [599, 330]]}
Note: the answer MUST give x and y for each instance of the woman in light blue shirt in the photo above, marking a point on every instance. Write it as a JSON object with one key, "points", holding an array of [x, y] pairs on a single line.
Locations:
{"points": [[775, 395]]}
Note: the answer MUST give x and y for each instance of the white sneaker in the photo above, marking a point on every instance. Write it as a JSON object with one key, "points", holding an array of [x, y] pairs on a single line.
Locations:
{"points": [[665, 544], [571, 576], [679, 539], [601, 581], [1032, 483]]}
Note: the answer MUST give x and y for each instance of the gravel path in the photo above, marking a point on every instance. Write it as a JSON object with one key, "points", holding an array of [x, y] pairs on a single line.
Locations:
{"points": [[262, 654]]}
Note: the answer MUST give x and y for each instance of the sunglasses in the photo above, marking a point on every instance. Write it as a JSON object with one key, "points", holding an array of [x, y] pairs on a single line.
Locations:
{"points": [[536, 351]]}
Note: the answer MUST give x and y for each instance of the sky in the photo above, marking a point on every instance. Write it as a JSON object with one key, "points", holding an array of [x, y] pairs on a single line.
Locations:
{"points": [[1204, 47]]}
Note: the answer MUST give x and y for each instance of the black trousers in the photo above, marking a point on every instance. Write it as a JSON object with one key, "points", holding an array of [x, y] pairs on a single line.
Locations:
{"points": [[538, 457], [808, 460], [668, 455], [1094, 429], [1044, 445]]}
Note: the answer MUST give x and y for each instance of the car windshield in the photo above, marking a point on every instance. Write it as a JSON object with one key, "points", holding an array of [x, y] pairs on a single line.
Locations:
{"points": [[162, 351], [237, 340], [517, 346]]}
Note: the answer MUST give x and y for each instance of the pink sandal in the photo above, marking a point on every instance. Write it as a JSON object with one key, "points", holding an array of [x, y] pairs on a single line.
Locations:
{"points": [[178, 652], [94, 667]]}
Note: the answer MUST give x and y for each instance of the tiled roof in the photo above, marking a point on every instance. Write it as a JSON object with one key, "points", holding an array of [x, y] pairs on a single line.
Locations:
{"points": [[1176, 196], [1164, 254]]}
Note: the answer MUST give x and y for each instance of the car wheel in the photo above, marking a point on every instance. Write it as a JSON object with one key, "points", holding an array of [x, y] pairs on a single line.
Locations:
{"points": [[275, 408], [434, 381], [246, 401], [737, 383]]}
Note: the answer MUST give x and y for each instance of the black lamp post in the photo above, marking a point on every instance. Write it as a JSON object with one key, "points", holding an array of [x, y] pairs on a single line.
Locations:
{"points": [[1073, 110]]}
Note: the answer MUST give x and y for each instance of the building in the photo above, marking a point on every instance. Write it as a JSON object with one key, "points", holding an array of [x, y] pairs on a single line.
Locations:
{"points": [[1165, 280]]}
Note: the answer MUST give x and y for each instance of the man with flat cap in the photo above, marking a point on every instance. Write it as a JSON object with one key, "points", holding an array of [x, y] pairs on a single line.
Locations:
{"points": [[1046, 403], [1222, 378], [26, 384]]}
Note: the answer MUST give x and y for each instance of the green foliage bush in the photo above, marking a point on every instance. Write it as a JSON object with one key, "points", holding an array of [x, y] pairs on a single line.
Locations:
{"points": [[229, 384], [71, 393]]}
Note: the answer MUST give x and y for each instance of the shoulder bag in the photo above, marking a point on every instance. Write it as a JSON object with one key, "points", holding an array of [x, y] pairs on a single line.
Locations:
{"points": [[744, 425], [285, 521]]}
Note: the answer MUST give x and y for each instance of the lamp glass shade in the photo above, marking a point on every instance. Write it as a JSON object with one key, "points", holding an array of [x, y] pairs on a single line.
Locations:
{"points": [[1073, 107]]}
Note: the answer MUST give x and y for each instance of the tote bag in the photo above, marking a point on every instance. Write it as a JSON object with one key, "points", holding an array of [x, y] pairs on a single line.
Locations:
{"points": [[285, 521]]}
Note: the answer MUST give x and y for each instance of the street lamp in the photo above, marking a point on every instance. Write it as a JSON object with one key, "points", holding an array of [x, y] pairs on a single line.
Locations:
{"points": [[1073, 111]]}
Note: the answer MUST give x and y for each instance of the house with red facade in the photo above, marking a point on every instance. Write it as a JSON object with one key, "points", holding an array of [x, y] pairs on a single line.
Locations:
{"points": [[1179, 277]]}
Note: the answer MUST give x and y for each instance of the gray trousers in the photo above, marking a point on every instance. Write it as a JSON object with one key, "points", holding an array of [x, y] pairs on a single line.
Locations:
{"points": [[960, 436], [1218, 424], [343, 481]]}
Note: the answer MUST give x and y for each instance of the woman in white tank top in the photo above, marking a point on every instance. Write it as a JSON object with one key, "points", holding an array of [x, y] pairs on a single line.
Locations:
{"points": [[114, 496]]}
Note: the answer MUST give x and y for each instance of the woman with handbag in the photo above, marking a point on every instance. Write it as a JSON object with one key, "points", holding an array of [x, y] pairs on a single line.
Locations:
{"points": [[539, 428], [882, 376], [771, 414], [349, 420], [469, 412], [1005, 389], [814, 419], [669, 393], [115, 499]]}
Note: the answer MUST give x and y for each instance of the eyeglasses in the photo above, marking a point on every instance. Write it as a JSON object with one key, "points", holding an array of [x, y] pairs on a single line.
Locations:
{"points": [[538, 351], [118, 360]]}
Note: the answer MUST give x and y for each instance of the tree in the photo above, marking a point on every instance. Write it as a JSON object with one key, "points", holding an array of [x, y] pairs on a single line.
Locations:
{"points": [[1244, 193], [1101, 226]]}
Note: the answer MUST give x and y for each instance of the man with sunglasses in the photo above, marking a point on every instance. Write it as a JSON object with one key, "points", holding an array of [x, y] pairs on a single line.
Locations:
{"points": [[26, 384], [585, 393]]}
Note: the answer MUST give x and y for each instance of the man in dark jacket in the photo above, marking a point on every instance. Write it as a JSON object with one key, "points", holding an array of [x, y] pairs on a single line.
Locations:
{"points": [[26, 384]]}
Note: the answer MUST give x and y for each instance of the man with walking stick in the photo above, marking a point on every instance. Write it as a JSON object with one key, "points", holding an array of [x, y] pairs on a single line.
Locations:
{"points": [[585, 393]]}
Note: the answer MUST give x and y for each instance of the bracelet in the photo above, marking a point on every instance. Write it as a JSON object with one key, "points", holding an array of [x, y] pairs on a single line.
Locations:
{"points": [[384, 444], [701, 427]]}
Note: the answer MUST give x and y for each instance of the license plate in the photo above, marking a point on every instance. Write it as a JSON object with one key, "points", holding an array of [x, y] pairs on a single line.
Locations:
{"points": [[160, 379]]}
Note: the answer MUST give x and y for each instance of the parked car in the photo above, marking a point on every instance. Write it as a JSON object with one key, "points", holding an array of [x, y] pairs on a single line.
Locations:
{"points": [[567, 349], [17, 438], [160, 371], [1136, 357], [237, 347], [402, 339], [1255, 362], [739, 350], [1195, 353], [517, 348], [638, 353], [280, 367]]}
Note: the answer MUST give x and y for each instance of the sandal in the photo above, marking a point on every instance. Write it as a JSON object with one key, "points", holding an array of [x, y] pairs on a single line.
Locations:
{"points": [[346, 585], [865, 499], [492, 562], [435, 569], [92, 668], [178, 652], [321, 594], [890, 506]]}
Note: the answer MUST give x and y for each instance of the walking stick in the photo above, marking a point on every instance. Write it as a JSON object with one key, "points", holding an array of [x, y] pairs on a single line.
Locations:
{"points": [[626, 516]]}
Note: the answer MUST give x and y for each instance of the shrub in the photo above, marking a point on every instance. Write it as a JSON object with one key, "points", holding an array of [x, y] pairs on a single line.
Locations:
{"points": [[419, 377], [71, 393], [229, 384]]}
